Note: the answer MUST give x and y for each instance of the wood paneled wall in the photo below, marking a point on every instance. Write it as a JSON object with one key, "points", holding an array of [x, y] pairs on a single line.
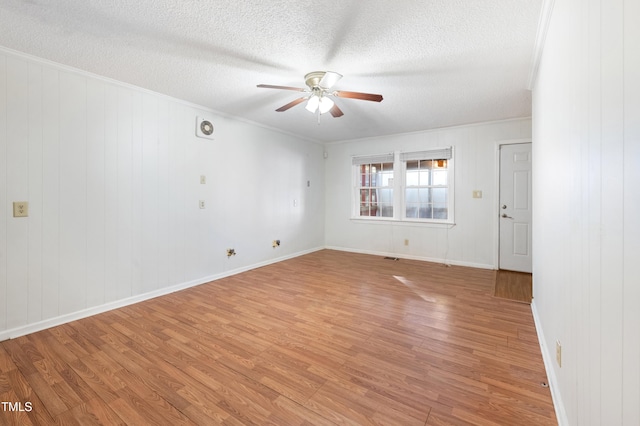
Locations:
{"points": [[473, 241], [112, 176], [586, 149]]}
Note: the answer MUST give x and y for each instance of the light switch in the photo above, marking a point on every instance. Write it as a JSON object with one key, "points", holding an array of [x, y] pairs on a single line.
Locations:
{"points": [[477, 194], [203, 179], [20, 209]]}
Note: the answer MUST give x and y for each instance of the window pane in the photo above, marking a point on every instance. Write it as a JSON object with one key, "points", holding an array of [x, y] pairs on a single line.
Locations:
{"points": [[426, 212], [412, 210], [439, 195], [413, 178], [440, 211], [424, 177], [365, 195], [440, 177], [386, 210], [387, 179], [386, 196], [412, 196], [424, 195], [373, 181], [412, 165]]}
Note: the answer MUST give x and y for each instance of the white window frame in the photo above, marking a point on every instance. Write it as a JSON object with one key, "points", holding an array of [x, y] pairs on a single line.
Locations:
{"points": [[431, 154], [399, 160], [355, 176]]}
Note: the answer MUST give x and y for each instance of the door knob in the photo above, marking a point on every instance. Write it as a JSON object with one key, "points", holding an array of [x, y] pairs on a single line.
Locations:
{"points": [[505, 216]]}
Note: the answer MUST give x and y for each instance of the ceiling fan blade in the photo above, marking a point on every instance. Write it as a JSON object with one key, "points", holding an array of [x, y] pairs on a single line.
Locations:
{"points": [[336, 111], [291, 104], [270, 86], [358, 95], [329, 79]]}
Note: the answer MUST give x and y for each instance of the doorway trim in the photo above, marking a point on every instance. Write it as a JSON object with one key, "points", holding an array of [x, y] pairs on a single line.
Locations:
{"points": [[496, 198]]}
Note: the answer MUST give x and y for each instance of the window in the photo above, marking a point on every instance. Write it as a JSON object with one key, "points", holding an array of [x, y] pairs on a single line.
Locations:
{"points": [[374, 185], [418, 184], [426, 184]]}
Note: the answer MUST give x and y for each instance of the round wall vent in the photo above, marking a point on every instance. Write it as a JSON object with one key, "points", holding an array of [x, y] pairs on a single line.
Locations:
{"points": [[204, 128]]}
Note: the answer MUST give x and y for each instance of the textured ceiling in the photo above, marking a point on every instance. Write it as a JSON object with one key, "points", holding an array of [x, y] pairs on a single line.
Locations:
{"points": [[436, 62]]}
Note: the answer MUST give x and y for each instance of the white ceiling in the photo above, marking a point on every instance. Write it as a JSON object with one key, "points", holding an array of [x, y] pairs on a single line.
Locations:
{"points": [[436, 62]]}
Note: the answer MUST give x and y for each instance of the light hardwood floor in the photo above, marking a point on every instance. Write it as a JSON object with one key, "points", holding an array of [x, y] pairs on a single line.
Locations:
{"points": [[514, 286], [322, 339]]}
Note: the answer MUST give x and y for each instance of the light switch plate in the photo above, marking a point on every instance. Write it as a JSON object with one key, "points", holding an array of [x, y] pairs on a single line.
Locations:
{"points": [[20, 209], [477, 194]]}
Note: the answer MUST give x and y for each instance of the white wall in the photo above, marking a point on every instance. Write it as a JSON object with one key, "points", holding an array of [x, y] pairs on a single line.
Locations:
{"points": [[112, 177], [472, 241], [586, 142]]}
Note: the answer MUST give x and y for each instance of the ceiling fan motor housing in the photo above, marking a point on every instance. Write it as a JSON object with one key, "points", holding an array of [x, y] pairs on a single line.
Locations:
{"points": [[312, 79]]}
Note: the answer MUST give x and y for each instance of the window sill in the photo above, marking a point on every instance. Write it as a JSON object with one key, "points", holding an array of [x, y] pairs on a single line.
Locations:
{"points": [[403, 222]]}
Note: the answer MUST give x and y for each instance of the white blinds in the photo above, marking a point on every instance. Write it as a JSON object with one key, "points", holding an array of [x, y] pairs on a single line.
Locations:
{"points": [[368, 159], [433, 154]]}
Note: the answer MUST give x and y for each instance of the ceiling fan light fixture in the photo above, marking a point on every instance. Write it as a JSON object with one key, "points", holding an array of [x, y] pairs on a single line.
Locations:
{"points": [[312, 104], [325, 105]]}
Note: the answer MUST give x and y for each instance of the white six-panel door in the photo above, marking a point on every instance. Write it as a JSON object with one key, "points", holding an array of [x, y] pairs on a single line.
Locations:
{"points": [[515, 207]]}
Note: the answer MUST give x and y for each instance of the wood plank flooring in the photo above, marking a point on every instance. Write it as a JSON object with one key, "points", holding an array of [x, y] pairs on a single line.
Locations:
{"points": [[323, 339], [513, 285]]}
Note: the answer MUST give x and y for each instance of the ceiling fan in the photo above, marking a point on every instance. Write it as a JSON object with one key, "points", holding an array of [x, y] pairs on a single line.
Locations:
{"points": [[319, 84]]}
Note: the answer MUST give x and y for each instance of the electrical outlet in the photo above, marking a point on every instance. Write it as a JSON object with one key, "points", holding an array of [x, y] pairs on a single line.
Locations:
{"points": [[559, 353], [406, 242], [203, 179], [21, 209], [202, 206]]}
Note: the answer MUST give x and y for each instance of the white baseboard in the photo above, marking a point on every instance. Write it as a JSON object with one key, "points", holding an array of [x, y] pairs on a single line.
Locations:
{"points": [[548, 358], [411, 257], [84, 313]]}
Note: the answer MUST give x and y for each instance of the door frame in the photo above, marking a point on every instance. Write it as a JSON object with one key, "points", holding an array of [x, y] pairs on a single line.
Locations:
{"points": [[496, 198]]}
